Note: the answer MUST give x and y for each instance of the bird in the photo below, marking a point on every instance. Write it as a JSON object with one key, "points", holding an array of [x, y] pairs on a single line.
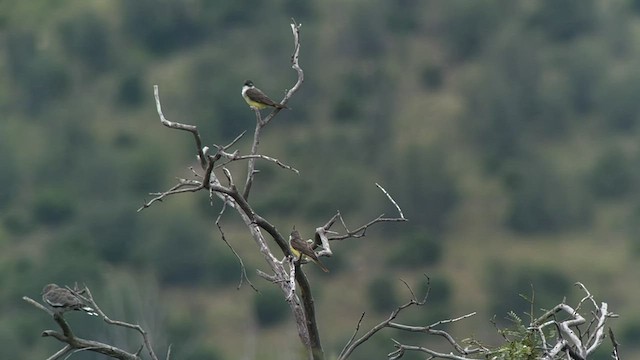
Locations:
{"points": [[257, 99], [61, 300], [301, 248]]}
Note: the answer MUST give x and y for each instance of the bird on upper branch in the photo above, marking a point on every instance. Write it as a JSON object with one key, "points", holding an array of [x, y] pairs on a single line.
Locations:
{"points": [[257, 99]]}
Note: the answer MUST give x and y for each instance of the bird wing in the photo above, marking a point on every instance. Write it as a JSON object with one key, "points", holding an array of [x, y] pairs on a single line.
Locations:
{"points": [[305, 248], [62, 298], [258, 96]]}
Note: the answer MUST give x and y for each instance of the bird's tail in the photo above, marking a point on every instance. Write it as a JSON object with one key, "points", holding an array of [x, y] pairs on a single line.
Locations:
{"points": [[88, 310], [324, 268], [281, 106]]}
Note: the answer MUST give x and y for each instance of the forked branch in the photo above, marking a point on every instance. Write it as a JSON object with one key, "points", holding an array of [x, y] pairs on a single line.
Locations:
{"points": [[324, 234], [401, 349]]}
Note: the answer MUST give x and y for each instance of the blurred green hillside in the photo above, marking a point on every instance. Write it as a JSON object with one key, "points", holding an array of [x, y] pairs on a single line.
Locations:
{"points": [[508, 132]]}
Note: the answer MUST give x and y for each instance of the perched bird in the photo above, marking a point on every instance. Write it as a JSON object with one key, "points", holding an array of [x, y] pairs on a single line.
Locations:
{"points": [[301, 248], [257, 99], [61, 300]]}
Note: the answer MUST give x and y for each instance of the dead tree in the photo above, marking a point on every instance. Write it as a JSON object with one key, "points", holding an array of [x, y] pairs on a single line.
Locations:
{"points": [[286, 272]]}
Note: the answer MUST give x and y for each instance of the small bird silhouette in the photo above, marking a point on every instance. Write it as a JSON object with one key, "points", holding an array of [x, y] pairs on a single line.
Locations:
{"points": [[257, 99], [61, 300], [301, 248]]}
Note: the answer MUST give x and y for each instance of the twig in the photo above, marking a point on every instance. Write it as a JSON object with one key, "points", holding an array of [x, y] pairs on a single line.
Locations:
{"points": [[413, 295], [391, 199], [176, 189], [138, 328], [352, 338], [295, 65], [62, 352], [251, 164], [323, 234], [37, 304], [361, 231], [614, 354], [243, 270], [352, 345], [430, 330], [434, 354], [233, 157]]}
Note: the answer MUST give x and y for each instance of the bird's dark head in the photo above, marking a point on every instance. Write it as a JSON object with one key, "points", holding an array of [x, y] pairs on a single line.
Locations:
{"points": [[248, 83]]}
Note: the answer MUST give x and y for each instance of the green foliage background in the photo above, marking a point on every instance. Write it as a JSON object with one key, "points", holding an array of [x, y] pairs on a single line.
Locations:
{"points": [[507, 131]]}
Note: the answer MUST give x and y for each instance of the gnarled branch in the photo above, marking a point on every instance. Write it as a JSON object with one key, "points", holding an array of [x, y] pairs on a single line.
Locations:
{"points": [[75, 343]]}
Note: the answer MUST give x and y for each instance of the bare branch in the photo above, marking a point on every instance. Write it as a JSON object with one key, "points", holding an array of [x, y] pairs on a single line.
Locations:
{"points": [[75, 344], [391, 199], [430, 329], [355, 332], [361, 231], [251, 164], [176, 189], [178, 126], [295, 57], [260, 123], [413, 295], [37, 304], [138, 328], [346, 352], [62, 352], [292, 277], [434, 354], [263, 157]]}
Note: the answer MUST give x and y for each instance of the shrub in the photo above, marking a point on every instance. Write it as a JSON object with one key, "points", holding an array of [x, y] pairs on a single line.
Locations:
{"points": [[162, 26], [564, 20], [430, 191], [270, 307], [620, 109], [53, 206], [113, 232], [506, 281], [629, 334], [86, 37], [131, 91], [432, 77], [613, 175], [541, 201], [182, 252], [416, 250]]}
